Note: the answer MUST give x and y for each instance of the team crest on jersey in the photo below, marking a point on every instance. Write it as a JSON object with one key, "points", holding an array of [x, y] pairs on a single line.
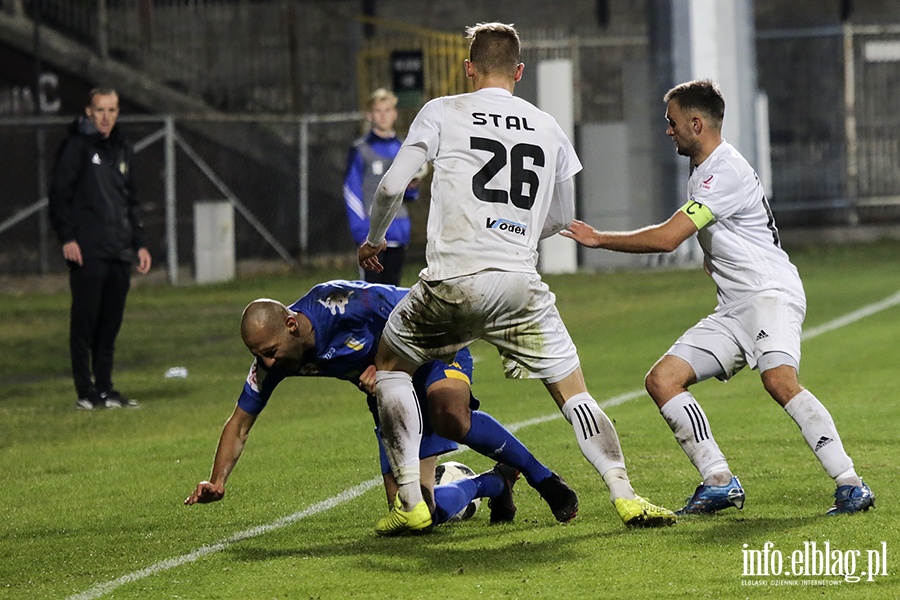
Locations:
{"points": [[707, 184], [336, 302], [354, 344]]}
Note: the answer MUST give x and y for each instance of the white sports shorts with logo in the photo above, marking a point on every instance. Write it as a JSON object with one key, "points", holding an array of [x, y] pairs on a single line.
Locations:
{"points": [[739, 334], [516, 312]]}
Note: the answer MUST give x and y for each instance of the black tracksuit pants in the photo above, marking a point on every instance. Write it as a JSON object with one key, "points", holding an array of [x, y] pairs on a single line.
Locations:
{"points": [[99, 289]]}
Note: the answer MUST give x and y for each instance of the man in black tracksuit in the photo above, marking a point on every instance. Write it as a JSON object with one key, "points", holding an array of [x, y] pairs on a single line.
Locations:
{"points": [[94, 211]]}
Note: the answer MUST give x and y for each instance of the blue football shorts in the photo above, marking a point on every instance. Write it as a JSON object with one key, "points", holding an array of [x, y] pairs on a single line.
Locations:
{"points": [[436, 370]]}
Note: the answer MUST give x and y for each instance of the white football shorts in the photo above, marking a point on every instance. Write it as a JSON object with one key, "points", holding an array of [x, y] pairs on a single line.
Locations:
{"points": [[738, 335], [516, 312]]}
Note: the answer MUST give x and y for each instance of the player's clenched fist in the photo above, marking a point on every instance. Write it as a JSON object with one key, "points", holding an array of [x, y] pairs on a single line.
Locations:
{"points": [[205, 492]]}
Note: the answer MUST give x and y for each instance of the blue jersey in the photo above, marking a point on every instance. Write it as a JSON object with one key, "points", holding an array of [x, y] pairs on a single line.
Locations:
{"points": [[368, 160], [347, 318]]}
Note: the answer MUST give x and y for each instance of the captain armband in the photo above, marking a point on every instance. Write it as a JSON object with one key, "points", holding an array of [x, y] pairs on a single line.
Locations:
{"points": [[698, 213]]}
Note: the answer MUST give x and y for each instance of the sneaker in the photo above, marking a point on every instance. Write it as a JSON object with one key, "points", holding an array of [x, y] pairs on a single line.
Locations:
{"points": [[708, 499], [562, 499], [503, 508], [638, 512], [87, 404], [89, 401], [114, 399], [850, 499], [398, 521]]}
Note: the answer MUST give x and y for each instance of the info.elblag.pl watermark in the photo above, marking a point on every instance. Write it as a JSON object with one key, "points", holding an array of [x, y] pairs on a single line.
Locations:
{"points": [[813, 564]]}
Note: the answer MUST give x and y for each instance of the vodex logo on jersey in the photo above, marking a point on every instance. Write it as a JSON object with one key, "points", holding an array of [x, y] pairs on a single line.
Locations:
{"points": [[505, 225]]}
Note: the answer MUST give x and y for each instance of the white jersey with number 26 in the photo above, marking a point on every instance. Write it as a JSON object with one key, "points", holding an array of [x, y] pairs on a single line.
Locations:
{"points": [[497, 159]]}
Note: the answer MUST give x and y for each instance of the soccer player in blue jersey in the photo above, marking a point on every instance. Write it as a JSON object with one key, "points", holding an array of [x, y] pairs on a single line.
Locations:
{"points": [[368, 160], [333, 331]]}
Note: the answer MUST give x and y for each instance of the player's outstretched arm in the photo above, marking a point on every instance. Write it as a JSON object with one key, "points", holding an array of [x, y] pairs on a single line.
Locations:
{"points": [[582, 233], [205, 492], [231, 445], [663, 237]]}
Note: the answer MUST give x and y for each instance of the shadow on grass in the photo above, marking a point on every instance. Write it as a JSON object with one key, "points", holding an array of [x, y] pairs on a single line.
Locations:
{"points": [[722, 530], [448, 549]]}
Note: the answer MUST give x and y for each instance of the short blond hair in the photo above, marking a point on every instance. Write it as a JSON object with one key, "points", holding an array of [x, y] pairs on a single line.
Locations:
{"points": [[381, 95], [494, 47]]}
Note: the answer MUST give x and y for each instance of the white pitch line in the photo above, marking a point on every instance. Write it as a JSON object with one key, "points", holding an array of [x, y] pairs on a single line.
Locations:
{"points": [[102, 589], [852, 317], [171, 563]]}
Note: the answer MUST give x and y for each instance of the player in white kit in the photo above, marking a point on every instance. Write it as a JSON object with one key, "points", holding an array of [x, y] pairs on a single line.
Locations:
{"points": [[503, 179], [760, 311]]}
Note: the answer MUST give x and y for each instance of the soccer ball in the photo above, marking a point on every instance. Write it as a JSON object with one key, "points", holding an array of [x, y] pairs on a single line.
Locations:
{"points": [[450, 471]]}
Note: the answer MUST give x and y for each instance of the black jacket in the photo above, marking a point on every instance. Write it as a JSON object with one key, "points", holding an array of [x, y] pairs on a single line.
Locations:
{"points": [[92, 195]]}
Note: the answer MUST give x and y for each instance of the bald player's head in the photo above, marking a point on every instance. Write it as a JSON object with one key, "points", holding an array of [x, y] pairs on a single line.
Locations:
{"points": [[277, 336], [263, 318]]}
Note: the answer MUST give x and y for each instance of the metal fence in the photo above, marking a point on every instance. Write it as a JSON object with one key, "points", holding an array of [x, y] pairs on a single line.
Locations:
{"points": [[441, 55], [802, 74], [834, 127], [283, 175], [236, 56], [873, 133]]}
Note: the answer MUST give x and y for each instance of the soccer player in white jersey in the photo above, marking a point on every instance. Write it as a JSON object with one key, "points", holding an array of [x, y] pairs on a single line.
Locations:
{"points": [[761, 305], [503, 179]]}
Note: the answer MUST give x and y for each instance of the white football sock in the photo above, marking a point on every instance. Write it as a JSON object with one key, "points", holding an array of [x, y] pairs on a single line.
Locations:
{"points": [[400, 418], [599, 443], [689, 424], [821, 436], [617, 481]]}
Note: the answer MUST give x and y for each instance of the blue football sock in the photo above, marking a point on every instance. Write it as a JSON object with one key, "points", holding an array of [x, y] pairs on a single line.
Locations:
{"points": [[488, 437], [450, 498]]}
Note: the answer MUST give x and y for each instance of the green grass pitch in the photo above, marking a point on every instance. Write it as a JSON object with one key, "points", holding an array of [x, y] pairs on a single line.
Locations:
{"points": [[92, 502]]}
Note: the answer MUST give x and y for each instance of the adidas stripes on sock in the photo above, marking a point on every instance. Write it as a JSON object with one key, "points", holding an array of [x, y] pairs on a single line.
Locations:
{"points": [[599, 443], [689, 424]]}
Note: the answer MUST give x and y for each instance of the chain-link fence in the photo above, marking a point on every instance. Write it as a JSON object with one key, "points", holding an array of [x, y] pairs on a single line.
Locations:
{"points": [[282, 175]]}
